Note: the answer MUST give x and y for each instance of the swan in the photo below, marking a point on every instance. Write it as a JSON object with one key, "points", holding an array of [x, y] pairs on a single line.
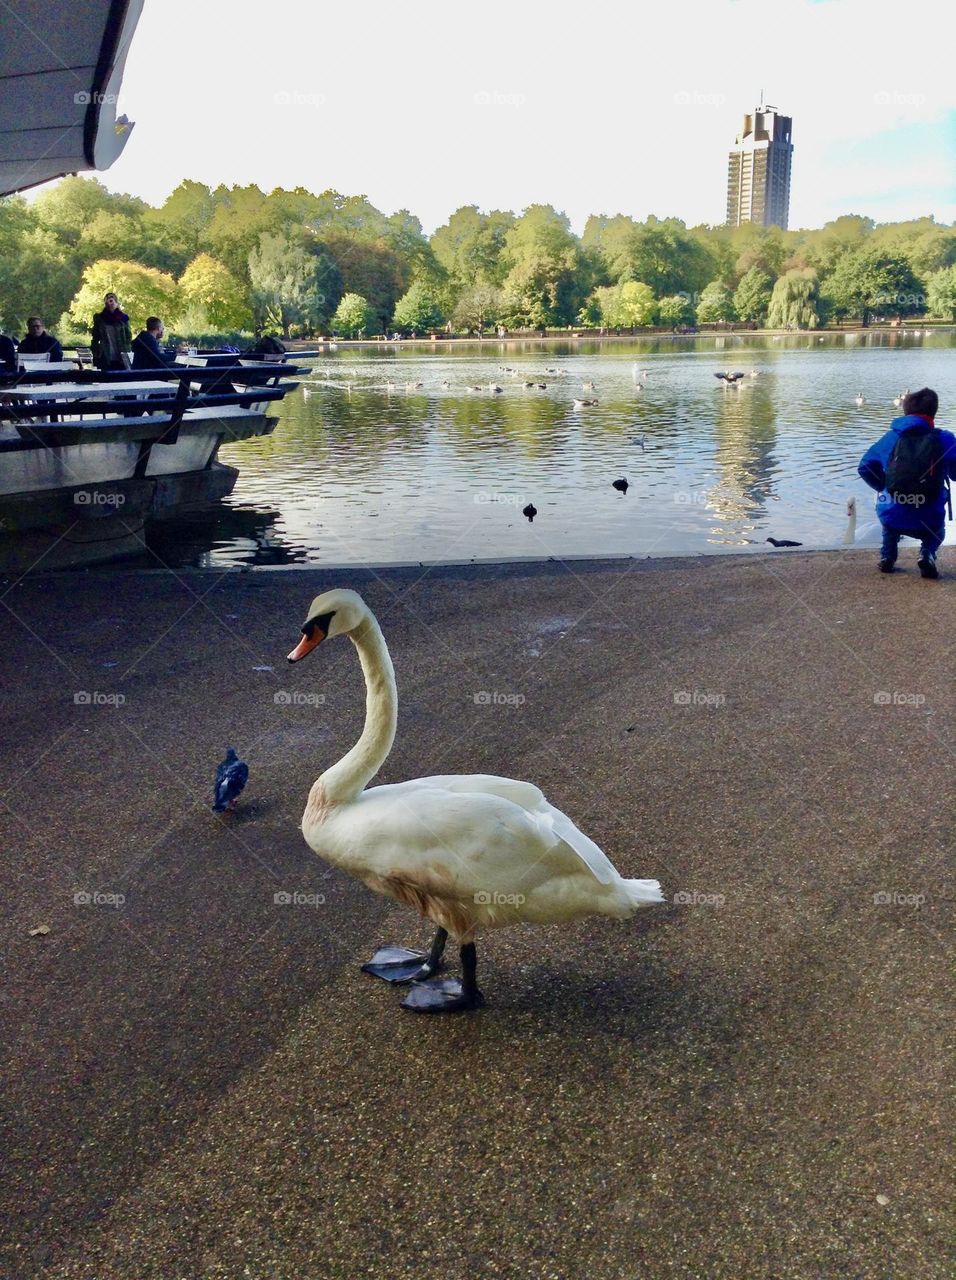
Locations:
{"points": [[850, 536], [469, 852], [860, 400]]}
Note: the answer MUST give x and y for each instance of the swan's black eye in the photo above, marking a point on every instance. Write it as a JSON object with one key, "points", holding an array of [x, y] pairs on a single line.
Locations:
{"points": [[322, 622]]}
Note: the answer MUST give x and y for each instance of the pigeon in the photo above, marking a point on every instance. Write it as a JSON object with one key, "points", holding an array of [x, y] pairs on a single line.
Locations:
{"points": [[530, 511], [620, 485], [784, 542], [729, 377], [231, 776]]}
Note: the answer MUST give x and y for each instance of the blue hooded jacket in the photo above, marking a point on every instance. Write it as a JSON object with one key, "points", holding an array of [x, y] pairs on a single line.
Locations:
{"points": [[904, 517]]}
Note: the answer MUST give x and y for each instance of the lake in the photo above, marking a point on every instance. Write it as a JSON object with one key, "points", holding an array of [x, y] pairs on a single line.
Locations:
{"points": [[359, 471]]}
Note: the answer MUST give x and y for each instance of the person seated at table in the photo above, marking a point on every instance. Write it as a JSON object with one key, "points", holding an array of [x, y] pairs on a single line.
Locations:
{"points": [[8, 354], [147, 353], [268, 347], [38, 342]]}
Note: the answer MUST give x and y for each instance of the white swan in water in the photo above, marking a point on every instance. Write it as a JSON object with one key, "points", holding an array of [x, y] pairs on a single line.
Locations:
{"points": [[860, 400], [469, 852]]}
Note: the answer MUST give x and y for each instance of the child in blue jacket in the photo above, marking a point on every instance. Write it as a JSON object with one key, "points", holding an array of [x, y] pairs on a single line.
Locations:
{"points": [[909, 467]]}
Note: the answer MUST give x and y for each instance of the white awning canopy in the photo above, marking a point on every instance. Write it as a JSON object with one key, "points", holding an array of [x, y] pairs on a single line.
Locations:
{"points": [[61, 66]]}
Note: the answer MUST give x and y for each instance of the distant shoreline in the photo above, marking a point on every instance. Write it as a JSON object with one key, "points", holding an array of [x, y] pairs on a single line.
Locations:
{"points": [[583, 336]]}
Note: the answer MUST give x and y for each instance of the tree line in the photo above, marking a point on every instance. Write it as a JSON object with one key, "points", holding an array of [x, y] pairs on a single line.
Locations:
{"points": [[234, 260]]}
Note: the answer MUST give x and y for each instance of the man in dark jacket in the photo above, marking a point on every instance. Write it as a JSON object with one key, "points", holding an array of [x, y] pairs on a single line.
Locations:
{"points": [[909, 467], [147, 353], [38, 342], [8, 354]]}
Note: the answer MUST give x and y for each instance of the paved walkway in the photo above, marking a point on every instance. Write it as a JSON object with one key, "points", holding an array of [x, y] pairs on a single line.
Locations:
{"points": [[746, 1083]]}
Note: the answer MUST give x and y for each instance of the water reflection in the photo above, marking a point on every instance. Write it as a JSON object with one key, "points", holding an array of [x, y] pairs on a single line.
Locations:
{"points": [[358, 471]]}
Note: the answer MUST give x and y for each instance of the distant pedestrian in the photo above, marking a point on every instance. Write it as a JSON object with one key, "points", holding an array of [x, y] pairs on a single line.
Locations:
{"points": [[112, 340], [268, 347], [38, 342], [8, 354], [147, 353], [910, 467]]}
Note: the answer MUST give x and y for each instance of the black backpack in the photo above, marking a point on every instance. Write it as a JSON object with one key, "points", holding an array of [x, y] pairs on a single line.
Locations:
{"points": [[916, 473]]}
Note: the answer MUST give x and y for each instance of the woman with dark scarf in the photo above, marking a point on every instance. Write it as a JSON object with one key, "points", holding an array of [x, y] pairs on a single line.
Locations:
{"points": [[112, 339]]}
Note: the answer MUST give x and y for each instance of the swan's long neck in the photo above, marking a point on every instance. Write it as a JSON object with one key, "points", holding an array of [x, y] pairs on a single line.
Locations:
{"points": [[349, 777]]}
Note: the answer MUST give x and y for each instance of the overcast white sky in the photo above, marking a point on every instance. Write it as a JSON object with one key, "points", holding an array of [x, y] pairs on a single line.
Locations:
{"points": [[596, 107]]}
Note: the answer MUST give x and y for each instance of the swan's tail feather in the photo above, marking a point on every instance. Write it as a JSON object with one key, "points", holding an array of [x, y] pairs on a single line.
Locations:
{"points": [[642, 892]]}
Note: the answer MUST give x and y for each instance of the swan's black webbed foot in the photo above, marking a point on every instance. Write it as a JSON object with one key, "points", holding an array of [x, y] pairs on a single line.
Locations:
{"points": [[442, 995], [448, 995], [396, 964]]}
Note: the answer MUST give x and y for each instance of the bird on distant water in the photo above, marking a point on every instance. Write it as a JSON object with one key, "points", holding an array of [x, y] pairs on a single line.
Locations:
{"points": [[729, 377], [231, 777], [584, 404], [784, 542], [620, 485], [860, 400], [530, 511]]}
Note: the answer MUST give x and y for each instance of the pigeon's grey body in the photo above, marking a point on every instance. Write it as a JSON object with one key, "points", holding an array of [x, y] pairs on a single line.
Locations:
{"points": [[231, 776]]}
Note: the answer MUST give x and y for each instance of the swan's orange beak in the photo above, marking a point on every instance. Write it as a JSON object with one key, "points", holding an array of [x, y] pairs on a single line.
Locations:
{"points": [[307, 644]]}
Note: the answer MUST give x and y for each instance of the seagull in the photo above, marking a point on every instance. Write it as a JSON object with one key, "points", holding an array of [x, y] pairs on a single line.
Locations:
{"points": [[639, 441], [860, 400], [587, 386], [530, 511], [620, 485], [729, 378], [784, 542], [231, 777]]}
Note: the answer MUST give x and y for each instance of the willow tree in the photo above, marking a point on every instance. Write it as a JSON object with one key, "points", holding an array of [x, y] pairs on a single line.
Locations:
{"points": [[795, 301]]}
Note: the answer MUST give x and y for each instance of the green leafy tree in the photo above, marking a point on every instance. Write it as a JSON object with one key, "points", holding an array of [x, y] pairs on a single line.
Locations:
{"points": [[675, 310], [752, 296], [370, 268], [38, 273], [716, 303], [212, 297], [142, 291], [177, 229], [544, 285], [293, 282], [355, 317], [626, 306], [795, 301], [69, 206], [866, 283], [416, 311], [112, 235], [470, 246], [941, 293], [478, 307]]}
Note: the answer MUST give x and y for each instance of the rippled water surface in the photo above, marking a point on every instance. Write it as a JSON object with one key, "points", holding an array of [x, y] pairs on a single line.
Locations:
{"points": [[360, 471]]}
